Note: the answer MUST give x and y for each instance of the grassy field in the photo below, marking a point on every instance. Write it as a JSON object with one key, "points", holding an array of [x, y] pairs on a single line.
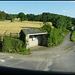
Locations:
{"points": [[15, 27]]}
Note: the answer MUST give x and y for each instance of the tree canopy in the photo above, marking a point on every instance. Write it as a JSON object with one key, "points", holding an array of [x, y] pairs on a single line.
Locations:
{"points": [[2, 15], [22, 16], [58, 21]]}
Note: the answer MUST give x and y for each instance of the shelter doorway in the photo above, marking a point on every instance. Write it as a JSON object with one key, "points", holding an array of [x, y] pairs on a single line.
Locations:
{"points": [[39, 40]]}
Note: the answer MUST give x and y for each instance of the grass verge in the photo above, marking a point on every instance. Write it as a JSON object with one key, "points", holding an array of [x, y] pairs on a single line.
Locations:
{"points": [[69, 49]]}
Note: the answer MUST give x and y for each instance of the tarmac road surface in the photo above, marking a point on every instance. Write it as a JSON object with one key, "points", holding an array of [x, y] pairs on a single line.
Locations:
{"points": [[64, 63]]}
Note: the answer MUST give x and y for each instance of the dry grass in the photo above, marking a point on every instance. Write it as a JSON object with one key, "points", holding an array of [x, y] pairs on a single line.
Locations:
{"points": [[15, 27]]}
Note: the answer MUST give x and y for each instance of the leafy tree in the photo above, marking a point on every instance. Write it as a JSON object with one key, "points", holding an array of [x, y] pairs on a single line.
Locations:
{"points": [[21, 15], [53, 36], [2, 15], [30, 17], [73, 21], [8, 17], [69, 25], [43, 18], [61, 24], [46, 28]]}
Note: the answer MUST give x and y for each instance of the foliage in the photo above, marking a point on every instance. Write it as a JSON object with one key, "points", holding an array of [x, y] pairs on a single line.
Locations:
{"points": [[23, 37], [11, 16], [32, 17], [61, 25], [73, 21], [56, 19], [0, 44], [46, 27], [22, 16], [14, 46], [43, 18], [72, 28], [64, 22], [8, 17], [73, 36], [2, 15], [53, 37]]}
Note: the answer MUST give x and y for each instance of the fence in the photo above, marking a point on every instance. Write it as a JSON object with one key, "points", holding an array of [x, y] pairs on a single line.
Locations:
{"points": [[13, 35]]}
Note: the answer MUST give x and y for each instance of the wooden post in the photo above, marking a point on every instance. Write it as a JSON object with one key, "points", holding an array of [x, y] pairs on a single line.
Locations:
{"points": [[10, 34], [17, 35], [1, 37]]}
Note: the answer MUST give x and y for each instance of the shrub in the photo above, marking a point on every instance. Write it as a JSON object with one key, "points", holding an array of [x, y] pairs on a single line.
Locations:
{"points": [[23, 37], [73, 36], [72, 28], [13, 45], [54, 37], [46, 28]]}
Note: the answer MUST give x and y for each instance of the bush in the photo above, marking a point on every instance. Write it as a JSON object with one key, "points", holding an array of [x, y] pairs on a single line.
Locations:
{"points": [[23, 37], [72, 28], [46, 28], [54, 37], [13, 45], [73, 36]]}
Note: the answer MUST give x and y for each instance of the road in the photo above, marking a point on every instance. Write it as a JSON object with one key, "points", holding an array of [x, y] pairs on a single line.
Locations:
{"points": [[64, 63], [40, 59]]}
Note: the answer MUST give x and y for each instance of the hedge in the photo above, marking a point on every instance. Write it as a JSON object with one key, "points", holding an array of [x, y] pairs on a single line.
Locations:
{"points": [[13, 45], [54, 37], [73, 36]]}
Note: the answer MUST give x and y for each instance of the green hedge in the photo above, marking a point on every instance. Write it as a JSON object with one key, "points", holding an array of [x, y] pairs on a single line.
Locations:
{"points": [[54, 37], [13, 45], [73, 36]]}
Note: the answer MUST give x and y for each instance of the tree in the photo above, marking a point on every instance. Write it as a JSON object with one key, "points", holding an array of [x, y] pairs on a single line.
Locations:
{"points": [[30, 17], [61, 24], [44, 18], [2, 15], [8, 17], [21, 15]]}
